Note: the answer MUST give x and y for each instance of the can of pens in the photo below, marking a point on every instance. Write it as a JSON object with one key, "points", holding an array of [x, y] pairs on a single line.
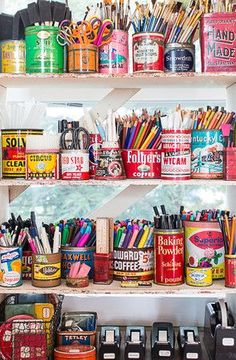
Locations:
{"points": [[114, 57], [207, 160], [46, 270], [230, 271], [230, 161], [83, 59], [12, 56], [169, 256], [179, 57], [95, 144], [10, 266], [148, 52], [71, 255]]}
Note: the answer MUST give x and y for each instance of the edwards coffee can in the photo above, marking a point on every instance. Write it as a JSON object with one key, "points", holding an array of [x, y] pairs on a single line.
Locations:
{"points": [[148, 52], [169, 257], [218, 42], [74, 165], [179, 58]]}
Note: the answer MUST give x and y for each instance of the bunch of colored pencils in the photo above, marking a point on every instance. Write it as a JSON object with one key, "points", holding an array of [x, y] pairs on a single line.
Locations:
{"points": [[140, 131], [133, 234], [165, 221], [212, 118], [228, 228], [218, 6]]}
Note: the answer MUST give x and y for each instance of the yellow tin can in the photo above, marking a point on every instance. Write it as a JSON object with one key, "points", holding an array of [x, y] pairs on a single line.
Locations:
{"points": [[13, 56], [200, 277]]}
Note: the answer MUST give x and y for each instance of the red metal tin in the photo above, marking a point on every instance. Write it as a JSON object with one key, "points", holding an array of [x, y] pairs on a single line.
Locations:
{"points": [[176, 155], [230, 164], [110, 165], [94, 147], [27, 265], [74, 165], [230, 271], [169, 257], [218, 42], [142, 164], [148, 52]]}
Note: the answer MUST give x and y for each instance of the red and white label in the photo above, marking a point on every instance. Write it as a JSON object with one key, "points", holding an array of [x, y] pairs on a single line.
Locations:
{"points": [[75, 165]]}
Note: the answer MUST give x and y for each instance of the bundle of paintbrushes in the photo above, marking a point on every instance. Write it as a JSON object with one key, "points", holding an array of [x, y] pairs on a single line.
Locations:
{"points": [[165, 221], [140, 131], [135, 233], [212, 118], [78, 232], [218, 6], [228, 228], [179, 119]]}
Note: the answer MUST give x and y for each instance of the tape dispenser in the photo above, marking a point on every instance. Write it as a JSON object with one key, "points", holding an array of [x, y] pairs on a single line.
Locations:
{"points": [[162, 341], [189, 343], [109, 343], [219, 331], [135, 342]]}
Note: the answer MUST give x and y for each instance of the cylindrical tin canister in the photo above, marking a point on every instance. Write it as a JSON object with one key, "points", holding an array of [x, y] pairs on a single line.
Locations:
{"points": [[74, 165], [142, 164], [13, 152], [169, 257], [103, 269], [82, 59], [77, 282], [133, 264], [114, 57], [12, 56], [75, 351], [110, 165], [43, 53], [230, 161], [148, 52], [70, 255], [46, 270], [230, 271], [207, 154], [27, 265], [204, 246], [10, 266], [218, 42], [179, 57], [94, 147], [176, 155], [197, 276]]}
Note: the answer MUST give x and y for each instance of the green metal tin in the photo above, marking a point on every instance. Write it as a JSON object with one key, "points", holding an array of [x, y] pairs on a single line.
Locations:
{"points": [[43, 53]]}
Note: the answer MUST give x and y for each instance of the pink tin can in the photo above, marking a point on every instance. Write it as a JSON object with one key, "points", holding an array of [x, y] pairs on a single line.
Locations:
{"points": [[114, 57]]}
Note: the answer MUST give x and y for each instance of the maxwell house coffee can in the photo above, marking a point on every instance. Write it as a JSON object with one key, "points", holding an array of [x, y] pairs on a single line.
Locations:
{"points": [[218, 42], [179, 58]]}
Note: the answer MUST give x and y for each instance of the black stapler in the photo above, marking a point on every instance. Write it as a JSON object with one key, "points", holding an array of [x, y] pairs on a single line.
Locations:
{"points": [[189, 343], [110, 343], [219, 331], [135, 342], [162, 341]]}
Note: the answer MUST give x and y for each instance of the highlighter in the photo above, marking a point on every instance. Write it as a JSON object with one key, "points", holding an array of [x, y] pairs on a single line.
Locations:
{"points": [[144, 237]]}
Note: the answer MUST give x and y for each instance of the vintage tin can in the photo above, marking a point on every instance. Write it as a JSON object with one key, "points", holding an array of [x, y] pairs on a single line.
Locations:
{"points": [[176, 155], [46, 270], [230, 161], [230, 271], [179, 57], [218, 42], [94, 147], [10, 266], [74, 165], [75, 351], [13, 152], [169, 257], [114, 57], [148, 52], [142, 164], [83, 59], [207, 154], [42, 165], [12, 57], [70, 255], [43, 52], [199, 276], [204, 246], [27, 265], [133, 264], [110, 165], [82, 337]]}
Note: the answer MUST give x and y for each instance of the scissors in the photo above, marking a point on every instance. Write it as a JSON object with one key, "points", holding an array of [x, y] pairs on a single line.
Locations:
{"points": [[103, 30], [65, 36], [74, 139]]}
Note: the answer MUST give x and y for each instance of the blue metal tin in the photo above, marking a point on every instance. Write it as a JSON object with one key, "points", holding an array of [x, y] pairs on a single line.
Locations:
{"points": [[10, 266], [207, 154], [179, 58], [70, 255]]}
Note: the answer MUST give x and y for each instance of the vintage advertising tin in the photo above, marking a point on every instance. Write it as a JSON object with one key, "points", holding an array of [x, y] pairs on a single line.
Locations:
{"points": [[10, 266], [218, 42], [179, 57], [207, 154], [46, 270], [230, 271], [43, 52], [148, 52], [204, 246], [13, 152], [230, 161], [176, 155], [110, 165], [82, 337], [169, 257], [42, 165], [199, 276], [75, 351], [94, 147], [114, 57], [82, 59], [70, 255], [74, 165], [133, 264], [142, 164], [12, 58], [27, 265]]}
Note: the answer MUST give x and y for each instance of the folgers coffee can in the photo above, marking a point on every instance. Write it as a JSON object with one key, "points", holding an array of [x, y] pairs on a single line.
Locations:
{"points": [[70, 255], [75, 351], [199, 276], [176, 155], [27, 265], [12, 58], [230, 161], [94, 147], [110, 165], [74, 165], [82, 59], [207, 154], [142, 164], [204, 246], [46, 270], [230, 271], [10, 266], [114, 57], [179, 57], [218, 42], [133, 264], [148, 52]]}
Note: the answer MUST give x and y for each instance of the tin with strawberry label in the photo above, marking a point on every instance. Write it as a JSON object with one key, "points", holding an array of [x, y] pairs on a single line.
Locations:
{"points": [[74, 165], [10, 266]]}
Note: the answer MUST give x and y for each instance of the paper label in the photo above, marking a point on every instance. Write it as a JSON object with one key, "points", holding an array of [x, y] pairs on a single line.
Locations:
{"points": [[47, 271]]}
